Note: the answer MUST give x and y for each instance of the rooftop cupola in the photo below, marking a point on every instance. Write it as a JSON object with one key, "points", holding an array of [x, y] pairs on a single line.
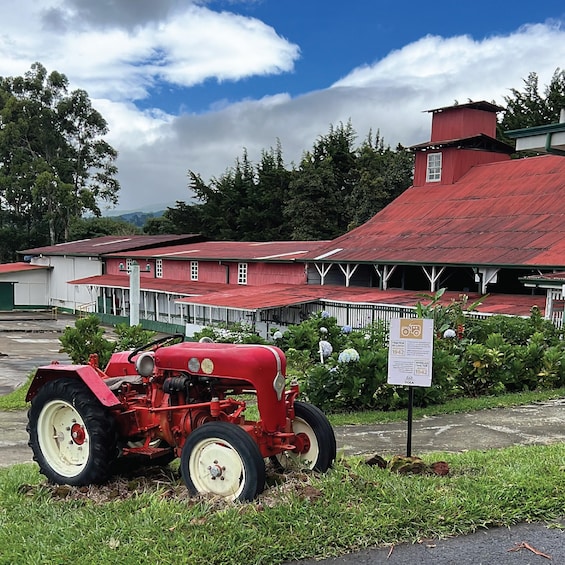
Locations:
{"points": [[462, 136]]}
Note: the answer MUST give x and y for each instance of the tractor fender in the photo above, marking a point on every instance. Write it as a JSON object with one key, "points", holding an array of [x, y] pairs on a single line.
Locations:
{"points": [[86, 373]]}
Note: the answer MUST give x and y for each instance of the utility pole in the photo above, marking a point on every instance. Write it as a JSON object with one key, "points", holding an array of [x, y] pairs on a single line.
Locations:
{"points": [[134, 294]]}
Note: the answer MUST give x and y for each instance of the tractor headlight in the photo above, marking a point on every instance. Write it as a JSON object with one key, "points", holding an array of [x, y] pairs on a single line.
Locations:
{"points": [[145, 364]]}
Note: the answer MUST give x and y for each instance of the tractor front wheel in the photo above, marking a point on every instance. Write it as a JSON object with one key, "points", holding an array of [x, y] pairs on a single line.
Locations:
{"points": [[72, 437], [315, 441], [222, 459]]}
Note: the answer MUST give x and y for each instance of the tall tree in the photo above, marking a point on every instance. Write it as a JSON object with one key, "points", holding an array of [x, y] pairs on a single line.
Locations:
{"points": [[319, 191], [530, 107], [54, 162], [244, 204], [382, 175], [269, 195]]}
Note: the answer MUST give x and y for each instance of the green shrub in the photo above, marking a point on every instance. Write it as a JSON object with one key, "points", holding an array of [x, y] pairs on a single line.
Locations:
{"points": [[236, 333], [486, 357], [130, 337], [515, 330], [85, 339]]}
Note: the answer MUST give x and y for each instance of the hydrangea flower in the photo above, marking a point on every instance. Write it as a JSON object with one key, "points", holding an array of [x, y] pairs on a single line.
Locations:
{"points": [[325, 314], [348, 355], [449, 333], [346, 329], [326, 349], [277, 335], [323, 330]]}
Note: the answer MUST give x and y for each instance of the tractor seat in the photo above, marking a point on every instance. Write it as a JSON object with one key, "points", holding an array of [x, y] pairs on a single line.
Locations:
{"points": [[114, 383]]}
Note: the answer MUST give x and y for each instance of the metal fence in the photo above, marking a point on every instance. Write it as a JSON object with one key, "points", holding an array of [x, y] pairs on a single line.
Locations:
{"points": [[360, 315]]}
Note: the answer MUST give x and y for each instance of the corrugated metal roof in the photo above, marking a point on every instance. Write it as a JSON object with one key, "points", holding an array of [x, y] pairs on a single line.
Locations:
{"points": [[476, 141], [479, 105], [232, 250], [241, 297], [97, 246], [20, 267], [274, 296], [186, 288], [505, 213]]}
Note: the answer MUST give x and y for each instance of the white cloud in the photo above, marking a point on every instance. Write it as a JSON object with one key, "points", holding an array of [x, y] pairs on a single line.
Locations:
{"points": [[118, 59], [180, 46], [390, 96]]}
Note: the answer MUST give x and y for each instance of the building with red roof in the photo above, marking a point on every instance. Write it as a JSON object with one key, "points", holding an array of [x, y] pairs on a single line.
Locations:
{"points": [[475, 221]]}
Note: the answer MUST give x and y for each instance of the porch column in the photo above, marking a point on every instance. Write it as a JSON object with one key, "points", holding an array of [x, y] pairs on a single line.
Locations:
{"points": [[433, 276], [348, 271]]}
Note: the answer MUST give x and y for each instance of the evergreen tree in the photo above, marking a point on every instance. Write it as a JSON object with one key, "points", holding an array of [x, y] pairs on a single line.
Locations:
{"points": [[530, 107], [382, 175], [321, 187]]}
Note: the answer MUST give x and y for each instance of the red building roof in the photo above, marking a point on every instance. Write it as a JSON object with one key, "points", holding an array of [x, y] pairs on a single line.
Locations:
{"points": [[231, 250], [97, 246], [280, 295], [509, 213], [20, 267], [242, 297]]}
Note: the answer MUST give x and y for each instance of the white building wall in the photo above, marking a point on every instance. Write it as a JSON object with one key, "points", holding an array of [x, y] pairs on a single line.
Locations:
{"points": [[30, 288], [65, 268]]}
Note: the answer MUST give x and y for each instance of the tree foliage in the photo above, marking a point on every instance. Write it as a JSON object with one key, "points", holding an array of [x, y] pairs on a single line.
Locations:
{"points": [[532, 107], [87, 228], [335, 187], [54, 162]]}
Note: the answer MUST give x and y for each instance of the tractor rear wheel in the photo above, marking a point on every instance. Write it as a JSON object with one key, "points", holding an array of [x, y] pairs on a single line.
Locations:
{"points": [[72, 436], [315, 440], [222, 459]]}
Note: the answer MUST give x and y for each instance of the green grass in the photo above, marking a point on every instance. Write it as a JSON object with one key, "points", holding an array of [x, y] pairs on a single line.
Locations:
{"points": [[16, 399], [152, 520], [455, 406], [352, 507]]}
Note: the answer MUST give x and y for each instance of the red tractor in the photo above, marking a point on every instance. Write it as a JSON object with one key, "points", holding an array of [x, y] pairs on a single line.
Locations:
{"points": [[172, 398]]}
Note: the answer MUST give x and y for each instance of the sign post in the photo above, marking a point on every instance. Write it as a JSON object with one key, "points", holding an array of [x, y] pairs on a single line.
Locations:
{"points": [[410, 353]]}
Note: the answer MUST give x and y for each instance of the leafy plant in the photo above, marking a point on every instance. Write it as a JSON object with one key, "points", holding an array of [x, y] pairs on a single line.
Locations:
{"points": [[234, 333], [130, 337], [85, 339]]}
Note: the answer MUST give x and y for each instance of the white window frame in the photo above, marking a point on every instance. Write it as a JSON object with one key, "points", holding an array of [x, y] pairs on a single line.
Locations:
{"points": [[242, 273], [129, 263], [433, 168], [194, 270], [159, 268]]}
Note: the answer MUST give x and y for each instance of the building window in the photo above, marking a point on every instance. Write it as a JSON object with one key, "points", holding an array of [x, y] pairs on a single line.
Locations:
{"points": [[242, 273], [433, 172], [159, 268], [194, 270]]}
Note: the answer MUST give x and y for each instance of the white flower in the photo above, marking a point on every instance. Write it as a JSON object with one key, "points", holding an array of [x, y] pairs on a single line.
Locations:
{"points": [[277, 335], [326, 349], [449, 333], [323, 330], [348, 355]]}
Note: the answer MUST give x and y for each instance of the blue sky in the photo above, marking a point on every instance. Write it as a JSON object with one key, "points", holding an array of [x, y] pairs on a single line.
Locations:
{"points": [[188, 84]]}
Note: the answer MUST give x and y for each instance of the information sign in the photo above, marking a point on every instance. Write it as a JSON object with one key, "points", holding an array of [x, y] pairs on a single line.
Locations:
{"points": [[410, 352]]}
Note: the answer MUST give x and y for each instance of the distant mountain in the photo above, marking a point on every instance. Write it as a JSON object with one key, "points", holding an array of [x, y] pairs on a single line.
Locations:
{"points": [[137, 218]]}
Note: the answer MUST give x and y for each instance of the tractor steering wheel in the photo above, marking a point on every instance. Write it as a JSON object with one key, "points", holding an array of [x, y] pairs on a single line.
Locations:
{"points": [[155, 344]]}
